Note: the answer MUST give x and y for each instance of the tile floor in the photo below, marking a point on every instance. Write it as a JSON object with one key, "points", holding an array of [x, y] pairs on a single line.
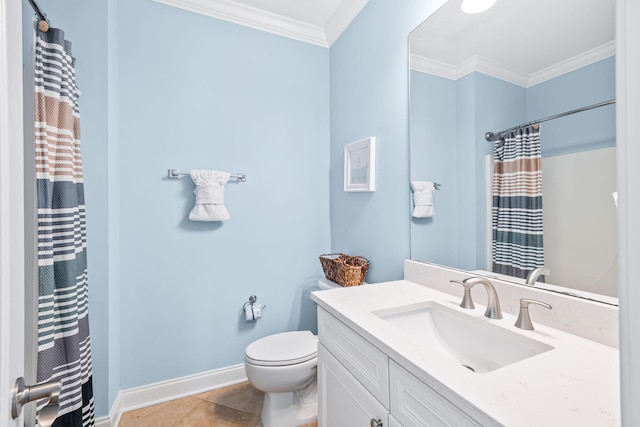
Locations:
{"points": [[238, 405]]}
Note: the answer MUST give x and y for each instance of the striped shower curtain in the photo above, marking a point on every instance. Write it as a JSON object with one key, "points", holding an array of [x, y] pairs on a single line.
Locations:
{"points": [[64, 350], [517, 245]]}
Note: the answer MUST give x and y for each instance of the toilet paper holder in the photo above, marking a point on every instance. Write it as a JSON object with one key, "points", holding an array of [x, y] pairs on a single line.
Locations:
{"points": [[252, 311]]}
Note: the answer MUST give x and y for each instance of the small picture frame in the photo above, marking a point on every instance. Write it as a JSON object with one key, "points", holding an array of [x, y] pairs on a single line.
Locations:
{"points": [[360, 165]]}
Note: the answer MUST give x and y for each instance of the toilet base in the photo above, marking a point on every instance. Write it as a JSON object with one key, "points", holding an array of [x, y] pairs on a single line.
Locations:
{"points": [[291, 409]]}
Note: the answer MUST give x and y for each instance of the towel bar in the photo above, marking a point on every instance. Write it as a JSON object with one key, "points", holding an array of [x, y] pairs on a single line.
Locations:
{"points": [[175, 174]]}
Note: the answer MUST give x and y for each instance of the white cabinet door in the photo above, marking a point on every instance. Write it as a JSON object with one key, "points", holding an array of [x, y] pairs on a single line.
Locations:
{"points": [[364, 361], [342, 400], [393, 422], [417, 405]]}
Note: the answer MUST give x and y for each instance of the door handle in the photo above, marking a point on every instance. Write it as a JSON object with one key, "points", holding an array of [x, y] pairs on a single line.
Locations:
{"points": [[23, 394]]}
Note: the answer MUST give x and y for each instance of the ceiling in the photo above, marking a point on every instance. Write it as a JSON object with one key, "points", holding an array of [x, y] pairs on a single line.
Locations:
{"points": [[319, 22], [526, 40], [521, 41]]}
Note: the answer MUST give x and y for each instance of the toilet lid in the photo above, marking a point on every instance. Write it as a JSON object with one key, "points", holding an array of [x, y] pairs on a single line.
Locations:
{"points": [[287, 348]]}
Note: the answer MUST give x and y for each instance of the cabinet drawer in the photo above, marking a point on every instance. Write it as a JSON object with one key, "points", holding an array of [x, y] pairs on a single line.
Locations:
{"points": [[414, 404], [365, 362]]}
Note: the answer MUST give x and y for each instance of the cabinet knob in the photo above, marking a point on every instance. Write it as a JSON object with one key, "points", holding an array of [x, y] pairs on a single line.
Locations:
{"points": [[376, 423]]}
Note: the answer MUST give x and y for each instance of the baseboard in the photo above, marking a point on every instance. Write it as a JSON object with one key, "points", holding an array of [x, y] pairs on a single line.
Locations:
{"points": [[140, 397], [103, 422]]}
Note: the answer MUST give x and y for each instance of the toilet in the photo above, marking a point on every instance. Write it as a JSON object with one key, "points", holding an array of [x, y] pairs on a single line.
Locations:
{"points": [[284, 367]]}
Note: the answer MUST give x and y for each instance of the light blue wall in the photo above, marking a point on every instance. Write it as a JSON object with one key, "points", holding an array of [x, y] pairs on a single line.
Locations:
{"points": [[198, 93], [448, 146], [369, 97], [180, 90], [113, 180], [588, 130], [434, 149], [501, 104], [466, 170]]}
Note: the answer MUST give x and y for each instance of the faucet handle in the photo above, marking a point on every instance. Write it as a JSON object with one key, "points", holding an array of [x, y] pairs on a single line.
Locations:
{"points": [[467, 302], [524, 319]]}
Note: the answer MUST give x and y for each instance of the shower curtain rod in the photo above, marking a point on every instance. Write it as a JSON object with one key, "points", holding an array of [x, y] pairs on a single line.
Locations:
{"points": [[490, 136], [43, 22]]}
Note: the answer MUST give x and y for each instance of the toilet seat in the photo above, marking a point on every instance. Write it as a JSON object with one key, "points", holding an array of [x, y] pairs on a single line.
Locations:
{"points": [[287, 348]]}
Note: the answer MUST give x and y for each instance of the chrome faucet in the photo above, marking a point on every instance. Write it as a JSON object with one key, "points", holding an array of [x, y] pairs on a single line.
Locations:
{"points": [[493, 304], [533, 275]]}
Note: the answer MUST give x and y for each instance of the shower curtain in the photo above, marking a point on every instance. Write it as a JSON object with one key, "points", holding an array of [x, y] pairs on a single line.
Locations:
{"points": [[64, 350], [517, 245]]}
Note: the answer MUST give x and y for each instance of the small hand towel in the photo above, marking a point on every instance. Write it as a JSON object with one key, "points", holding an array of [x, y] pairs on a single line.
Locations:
{"points": [[209, 193], [423, 199]]}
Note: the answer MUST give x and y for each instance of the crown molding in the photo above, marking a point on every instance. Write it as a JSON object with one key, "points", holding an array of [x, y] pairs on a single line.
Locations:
{"points": [[491, 68], [475, 63], [430, 66], [252, 17], [248, 16], [589, 57], [342, 18]]}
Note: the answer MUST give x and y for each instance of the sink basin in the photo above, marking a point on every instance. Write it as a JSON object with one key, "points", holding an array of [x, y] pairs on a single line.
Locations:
{"points": [[476, 343]]}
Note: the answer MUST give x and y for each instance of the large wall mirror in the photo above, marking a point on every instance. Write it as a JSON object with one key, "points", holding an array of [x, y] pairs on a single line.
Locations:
{"points": [[518, 62]]}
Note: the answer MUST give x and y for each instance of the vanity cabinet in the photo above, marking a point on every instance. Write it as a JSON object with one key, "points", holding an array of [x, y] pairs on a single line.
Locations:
{"points": [[358, 385]]}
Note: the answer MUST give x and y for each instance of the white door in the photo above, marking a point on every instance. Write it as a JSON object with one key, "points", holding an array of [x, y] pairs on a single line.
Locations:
{"points": [[11, 208]]}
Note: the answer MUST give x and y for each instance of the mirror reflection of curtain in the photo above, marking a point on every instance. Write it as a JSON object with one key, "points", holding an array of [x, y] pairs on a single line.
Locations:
{"points": [[517, 244]]}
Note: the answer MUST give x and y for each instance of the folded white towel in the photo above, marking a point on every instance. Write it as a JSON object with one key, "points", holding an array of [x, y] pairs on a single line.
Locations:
{"points": [[423, 199], [209, 193]]}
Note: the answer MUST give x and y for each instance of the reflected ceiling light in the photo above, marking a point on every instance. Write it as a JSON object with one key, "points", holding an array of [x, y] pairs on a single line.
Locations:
{"points": [[476, 6]]}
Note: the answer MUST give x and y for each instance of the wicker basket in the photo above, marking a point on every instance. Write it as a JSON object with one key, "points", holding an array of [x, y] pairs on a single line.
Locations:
{"points": [[344, 269]]}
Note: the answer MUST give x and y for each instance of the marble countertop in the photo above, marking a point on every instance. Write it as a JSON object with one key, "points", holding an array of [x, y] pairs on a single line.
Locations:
{"points": [[574, 384]]}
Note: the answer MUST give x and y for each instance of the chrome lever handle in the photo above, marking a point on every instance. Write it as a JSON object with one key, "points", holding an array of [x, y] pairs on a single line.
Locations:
{"points": [[467, 302], [23, 394], [524, 319], [376, 423], [524, 302]]}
